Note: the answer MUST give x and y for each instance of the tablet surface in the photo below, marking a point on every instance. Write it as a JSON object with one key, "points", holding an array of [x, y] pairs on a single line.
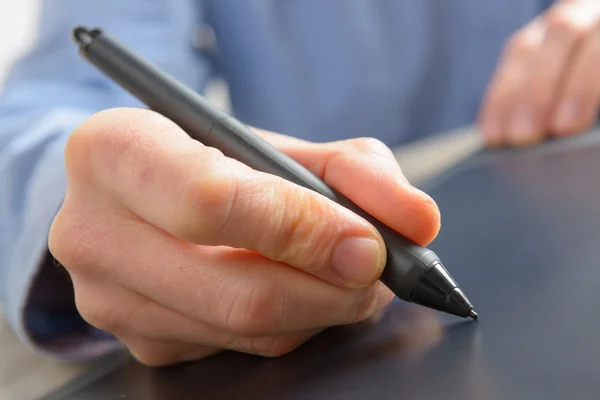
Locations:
{"points": [[521, 235]]}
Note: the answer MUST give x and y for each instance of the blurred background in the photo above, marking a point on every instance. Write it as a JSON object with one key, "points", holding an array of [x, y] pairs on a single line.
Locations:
{"points": [[17, 30], [18, 33]]}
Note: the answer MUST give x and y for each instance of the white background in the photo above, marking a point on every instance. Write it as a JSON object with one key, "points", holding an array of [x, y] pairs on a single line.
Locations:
{"points": [[17, 30]]}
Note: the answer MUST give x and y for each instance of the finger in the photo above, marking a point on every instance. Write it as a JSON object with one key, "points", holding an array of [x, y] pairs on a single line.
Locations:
{"points": [[234, 290], [195, 193], [136, 319], [313, 155], [529, 121], [496, 116], [574, 25], [566, 26], [578, 100], [362, 170], [163, 353], [534, 64]]}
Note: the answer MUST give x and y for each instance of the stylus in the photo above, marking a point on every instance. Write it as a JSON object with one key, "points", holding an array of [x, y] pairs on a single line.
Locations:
{"points": [[414, 273]]}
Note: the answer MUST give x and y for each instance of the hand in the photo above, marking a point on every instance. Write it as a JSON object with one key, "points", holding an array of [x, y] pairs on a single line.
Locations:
{"points": [[181, 252], [547, 82]]}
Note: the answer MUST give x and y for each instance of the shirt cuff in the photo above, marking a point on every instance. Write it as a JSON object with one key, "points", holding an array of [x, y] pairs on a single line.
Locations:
{"points": [[57, 330]]}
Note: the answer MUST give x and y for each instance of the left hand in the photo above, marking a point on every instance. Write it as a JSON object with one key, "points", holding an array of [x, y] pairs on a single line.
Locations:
{"points": [[548, 79]]}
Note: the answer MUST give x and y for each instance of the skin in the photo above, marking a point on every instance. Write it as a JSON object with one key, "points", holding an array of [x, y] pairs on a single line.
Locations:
{"points": [[546, 83], [181, 252]]}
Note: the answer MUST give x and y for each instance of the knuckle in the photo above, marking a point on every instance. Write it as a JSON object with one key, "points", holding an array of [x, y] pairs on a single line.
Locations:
{"points": [[304, 231], [518, 44], [209, 197], [87, 139], [561, 23], [151, 354], [108, 137], [369, 145], [72, 241], [78, 149], [586, 122], [255, 311], [98, 314], [273, 347], [366, 306], [153, 359]]}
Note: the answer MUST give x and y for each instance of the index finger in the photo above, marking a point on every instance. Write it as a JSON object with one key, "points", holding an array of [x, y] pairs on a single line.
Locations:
{"points": [[145, 164], [366, 171]]}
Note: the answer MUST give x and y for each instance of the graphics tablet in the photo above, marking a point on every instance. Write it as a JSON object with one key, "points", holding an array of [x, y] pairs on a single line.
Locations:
{"points": [[520, 233]]}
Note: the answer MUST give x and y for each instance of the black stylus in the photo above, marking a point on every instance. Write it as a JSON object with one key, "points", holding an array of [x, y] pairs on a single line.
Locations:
{"points": [[414, 273]]}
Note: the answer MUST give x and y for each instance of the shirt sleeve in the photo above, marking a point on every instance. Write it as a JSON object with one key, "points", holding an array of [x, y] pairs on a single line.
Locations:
{"points": [[45, 96]]}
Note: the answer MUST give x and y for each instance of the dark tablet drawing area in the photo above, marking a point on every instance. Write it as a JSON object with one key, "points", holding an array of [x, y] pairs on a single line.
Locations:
{"points": [[520, 232]]}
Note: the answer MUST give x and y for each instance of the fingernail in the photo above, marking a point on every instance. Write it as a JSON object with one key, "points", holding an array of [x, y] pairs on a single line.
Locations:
{"points": [[522, 124], [567, 114], [356, 260]]}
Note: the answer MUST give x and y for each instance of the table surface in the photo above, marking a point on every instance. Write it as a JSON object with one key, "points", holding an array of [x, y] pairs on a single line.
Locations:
{"points": [[25, 375]]}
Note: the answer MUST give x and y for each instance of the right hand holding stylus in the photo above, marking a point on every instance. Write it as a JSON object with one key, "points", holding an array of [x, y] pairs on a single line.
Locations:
{"points": [[181, 252]]}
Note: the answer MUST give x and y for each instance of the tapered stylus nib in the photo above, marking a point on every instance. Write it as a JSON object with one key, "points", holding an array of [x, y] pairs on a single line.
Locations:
{"points": [[436, 289], [473, 314]]}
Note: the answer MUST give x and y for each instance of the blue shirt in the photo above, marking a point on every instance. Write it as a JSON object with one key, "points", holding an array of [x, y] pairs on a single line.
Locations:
{"points": [[397, 70]]}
